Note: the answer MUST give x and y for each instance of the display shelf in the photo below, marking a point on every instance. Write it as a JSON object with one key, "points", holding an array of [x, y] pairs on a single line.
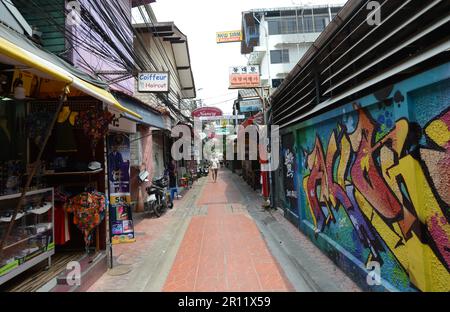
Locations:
{"points": [[73, 173], [27, 265], [20, 215], [21, 241], [32, 236], [17, 195]]}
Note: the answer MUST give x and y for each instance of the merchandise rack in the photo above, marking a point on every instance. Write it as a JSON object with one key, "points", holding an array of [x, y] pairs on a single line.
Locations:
{"points": [[21, 265]]}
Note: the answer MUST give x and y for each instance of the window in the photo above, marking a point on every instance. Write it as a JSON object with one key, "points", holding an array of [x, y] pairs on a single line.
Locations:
{"points": [[289, 26], [274, 27], [300, 24], [281, 26], [279, 56], [308, 24], [276, 83], [320, 22]]}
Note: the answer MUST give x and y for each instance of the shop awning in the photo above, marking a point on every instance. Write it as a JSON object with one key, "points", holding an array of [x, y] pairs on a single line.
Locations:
{"points": [[150, 117], [17, 50]]}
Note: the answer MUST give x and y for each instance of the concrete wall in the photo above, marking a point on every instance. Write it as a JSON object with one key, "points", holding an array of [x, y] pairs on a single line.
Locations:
{"points": [[369, 183], [141, 159]]}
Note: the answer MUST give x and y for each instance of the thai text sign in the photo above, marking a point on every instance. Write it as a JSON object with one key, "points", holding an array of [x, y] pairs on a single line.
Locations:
{"points": [[229, 36], [153, 82], [242, 77]]}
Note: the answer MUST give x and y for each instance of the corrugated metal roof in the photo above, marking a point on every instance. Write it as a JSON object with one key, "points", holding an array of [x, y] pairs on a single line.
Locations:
{"points": [[352, 53]]}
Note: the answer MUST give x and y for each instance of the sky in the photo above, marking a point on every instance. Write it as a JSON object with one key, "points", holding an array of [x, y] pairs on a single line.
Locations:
{"points": [[199, 20]]}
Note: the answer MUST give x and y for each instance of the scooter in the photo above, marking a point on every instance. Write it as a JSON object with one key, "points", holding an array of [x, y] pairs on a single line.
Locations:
{"points": [[163, 185], [158, 199], [203, 171]]}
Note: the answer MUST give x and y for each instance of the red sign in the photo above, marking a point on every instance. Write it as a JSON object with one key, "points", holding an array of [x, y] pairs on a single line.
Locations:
{"points": [[244, 77], [207, 112]]}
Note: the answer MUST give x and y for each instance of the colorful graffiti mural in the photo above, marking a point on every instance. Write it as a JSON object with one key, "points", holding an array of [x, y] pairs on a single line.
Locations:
{"points": [[381, 182], [289, 176], [373, 182]]}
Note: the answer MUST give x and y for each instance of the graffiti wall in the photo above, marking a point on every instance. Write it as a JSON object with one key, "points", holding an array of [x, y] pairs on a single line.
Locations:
{"points": [[374, 183], [290, 185]]}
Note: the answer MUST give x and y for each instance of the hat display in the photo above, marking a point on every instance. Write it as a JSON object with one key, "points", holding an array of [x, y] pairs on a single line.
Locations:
{"points": [[94, 165]]}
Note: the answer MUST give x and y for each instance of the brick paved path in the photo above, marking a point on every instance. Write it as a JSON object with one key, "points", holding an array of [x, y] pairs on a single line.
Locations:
{"points": [[210, 241], [224, 250]]}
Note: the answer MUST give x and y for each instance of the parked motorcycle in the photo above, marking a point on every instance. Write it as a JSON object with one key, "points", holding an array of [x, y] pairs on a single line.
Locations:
{"points": [[158, 199], [203, 171]]}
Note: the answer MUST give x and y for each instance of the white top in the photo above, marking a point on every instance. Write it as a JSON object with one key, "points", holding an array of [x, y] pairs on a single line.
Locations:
{"points": [[215, 163]]}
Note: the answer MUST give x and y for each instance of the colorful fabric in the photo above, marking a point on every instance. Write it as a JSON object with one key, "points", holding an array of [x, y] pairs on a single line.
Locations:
{"points": [[62, 234], [88, 211], [95, 124]]}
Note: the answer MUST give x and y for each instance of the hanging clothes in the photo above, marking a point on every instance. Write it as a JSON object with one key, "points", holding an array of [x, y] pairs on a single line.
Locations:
{"points": [[88, 210], [62, 233], [65, 138]]}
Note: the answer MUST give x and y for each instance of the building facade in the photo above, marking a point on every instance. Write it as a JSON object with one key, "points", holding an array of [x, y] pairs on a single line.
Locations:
{"points": [[167, 50], [364, 121], [275, 39]]}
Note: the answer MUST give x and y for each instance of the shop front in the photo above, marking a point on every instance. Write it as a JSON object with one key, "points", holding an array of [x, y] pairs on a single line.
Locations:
{"points": [[147, 159], [53, 187]]}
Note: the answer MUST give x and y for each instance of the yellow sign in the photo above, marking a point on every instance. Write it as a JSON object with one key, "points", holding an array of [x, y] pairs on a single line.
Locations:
{"points": [[229, 36]]}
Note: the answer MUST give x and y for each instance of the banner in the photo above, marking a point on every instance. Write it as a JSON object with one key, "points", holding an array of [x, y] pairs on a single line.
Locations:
{"points": [[244, 77], [121, 219], [229, 36]]}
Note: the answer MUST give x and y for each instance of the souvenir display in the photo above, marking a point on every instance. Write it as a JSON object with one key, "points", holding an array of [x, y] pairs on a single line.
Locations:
{"points": [[88, 209], [94, 124], [37, 125], [32, 237]]}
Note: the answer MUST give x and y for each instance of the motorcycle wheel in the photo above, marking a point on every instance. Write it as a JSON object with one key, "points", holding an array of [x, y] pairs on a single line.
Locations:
{"points": [[170, 203], [157, 209], [164, 205]]}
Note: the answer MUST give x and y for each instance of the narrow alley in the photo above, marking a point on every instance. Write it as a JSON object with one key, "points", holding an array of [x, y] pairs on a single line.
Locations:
{"points": [[285, 147], [218, 238]]}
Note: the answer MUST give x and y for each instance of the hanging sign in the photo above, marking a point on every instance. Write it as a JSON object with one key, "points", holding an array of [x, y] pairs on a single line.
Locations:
{"points": [[224, 117], [244, 77], [153, 82], [207, 112], [229, 36], [119, 157], [253, 105]]}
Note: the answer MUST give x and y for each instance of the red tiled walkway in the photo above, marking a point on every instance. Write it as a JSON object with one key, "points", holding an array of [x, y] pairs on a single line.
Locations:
{"points": [[224, 250]]}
